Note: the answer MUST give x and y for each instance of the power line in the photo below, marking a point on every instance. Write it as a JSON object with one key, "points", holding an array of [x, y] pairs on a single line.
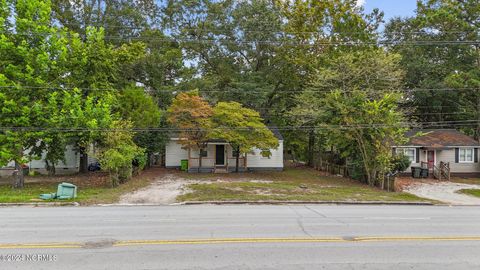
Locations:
{"points": [[284, 42], [284, 128], [20, 87]]}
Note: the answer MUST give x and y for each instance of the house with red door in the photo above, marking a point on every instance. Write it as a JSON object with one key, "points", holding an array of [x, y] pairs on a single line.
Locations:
{"points": [[442, 151]]}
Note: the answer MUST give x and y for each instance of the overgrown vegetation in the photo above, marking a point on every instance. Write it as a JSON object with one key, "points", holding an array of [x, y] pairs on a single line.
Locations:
{"points": [[319, 70]]}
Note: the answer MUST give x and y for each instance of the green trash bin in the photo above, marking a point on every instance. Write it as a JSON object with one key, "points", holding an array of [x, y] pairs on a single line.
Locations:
{"points": [[184, 165]]}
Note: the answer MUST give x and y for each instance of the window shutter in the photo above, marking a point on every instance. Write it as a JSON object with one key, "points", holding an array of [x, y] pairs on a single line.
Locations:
{"points": [[394, 151], [457, 152], [475, 155], [417, 155]]}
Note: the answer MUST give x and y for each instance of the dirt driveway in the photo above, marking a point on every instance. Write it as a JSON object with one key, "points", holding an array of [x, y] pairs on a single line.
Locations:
{"points": [[163, 191], [444, 192], [167, 187]]}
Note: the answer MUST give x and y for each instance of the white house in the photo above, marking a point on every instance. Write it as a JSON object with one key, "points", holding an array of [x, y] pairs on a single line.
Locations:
{"points": [[70, 166], [219, 156], [436, 147]]}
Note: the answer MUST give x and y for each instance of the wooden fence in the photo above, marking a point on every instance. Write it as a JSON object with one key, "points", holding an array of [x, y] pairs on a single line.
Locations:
{"points": [[334, 169], [387, 183]]}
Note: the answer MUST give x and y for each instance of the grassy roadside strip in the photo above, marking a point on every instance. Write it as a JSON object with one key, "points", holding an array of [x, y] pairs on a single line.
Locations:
{"points": [[470, 192], [87, 193], [291, 185]]}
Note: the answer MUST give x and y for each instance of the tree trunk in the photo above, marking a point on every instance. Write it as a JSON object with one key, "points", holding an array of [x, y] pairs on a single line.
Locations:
{"points": [[237, 159], [83, 160], [50, 168], [477, 131], [311, 143], [18, 177], [200, 159]]}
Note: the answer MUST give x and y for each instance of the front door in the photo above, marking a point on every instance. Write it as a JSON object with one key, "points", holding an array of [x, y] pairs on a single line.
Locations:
{"points": [[220, 155], [431, 159]]}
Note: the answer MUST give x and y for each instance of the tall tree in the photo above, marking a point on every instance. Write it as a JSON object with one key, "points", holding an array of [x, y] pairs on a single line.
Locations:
{"points": [[32, 50], [367, 129], [242, 128], [372, 71], [97, 69], [190, 115], [142, 111], [447, 31], [121, 19]]}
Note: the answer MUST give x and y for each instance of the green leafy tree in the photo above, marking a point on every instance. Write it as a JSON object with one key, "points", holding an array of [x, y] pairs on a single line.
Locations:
{"points": [[191, 115], [120, 18], [32, 50], [448, 30], [372, 71], [118, 151], [98, 70], [242, 128], [88, 117], [135, 105], [359, 126]]}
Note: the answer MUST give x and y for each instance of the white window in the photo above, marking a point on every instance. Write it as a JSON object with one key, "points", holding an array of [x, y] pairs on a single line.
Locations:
{"points": [[409, 152], [465, 155]]}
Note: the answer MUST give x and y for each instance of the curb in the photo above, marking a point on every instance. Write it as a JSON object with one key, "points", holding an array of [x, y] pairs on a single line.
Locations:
{"points": [[40, 204], [309, 202]]}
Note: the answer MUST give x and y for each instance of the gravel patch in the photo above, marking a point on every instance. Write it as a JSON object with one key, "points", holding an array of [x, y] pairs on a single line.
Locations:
{"points": [[163, 191], [444, 192]]}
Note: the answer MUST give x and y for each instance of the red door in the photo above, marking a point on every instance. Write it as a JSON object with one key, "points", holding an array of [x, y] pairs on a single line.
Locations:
{"points": [[431, 159]]}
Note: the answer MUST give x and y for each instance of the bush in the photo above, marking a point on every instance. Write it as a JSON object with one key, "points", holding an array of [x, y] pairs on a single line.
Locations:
{"points": [[118, 153], [400, 163]]}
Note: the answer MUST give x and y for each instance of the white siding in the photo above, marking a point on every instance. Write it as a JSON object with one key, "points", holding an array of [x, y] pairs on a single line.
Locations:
{"points": [[72, 160], [174, 153], [71, 164], [256, 160], [449, 156], [207, 162]]}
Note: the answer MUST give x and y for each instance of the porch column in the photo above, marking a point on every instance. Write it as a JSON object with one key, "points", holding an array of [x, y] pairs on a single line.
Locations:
{"points": [[226, 153]]}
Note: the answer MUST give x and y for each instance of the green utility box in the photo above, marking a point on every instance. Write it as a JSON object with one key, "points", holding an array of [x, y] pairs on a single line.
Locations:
{"points": [[65, 191], [184, 165]]}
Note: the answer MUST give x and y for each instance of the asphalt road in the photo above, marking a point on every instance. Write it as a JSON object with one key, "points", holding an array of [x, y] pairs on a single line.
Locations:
{"points": [[240, 237]]}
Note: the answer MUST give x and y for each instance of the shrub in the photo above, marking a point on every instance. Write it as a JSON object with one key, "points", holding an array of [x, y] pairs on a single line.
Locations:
{"points": [[118, 151], [400, 163]]}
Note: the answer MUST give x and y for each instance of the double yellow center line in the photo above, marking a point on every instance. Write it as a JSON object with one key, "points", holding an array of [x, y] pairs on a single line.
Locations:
{"points": [[126, 243]]}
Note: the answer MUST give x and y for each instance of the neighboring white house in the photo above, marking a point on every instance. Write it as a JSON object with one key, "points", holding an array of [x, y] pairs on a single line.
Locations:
{"points": [[71, 164], [220, 156], [448, 146]]}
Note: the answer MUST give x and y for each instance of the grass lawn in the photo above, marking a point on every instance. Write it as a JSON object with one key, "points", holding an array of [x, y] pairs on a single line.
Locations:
{"points": [[472, 181], [471, 192], [91, 189], [293, 184]]}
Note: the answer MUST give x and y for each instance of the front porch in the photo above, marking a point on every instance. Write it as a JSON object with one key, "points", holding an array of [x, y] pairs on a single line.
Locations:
{"points": [[432, 159], [217, 157]]}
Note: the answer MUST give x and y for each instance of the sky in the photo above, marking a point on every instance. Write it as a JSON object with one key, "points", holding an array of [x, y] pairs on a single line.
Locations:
{"points": [[392, 8]]}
